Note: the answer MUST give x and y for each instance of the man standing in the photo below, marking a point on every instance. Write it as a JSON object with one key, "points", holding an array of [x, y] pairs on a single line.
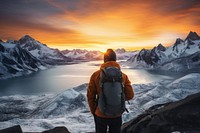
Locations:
{"points": [[107, 91]]}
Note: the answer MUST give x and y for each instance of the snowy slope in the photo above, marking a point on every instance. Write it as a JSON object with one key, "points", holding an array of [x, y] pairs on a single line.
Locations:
{"points": [[42, 51], [15, 61], [78, 54], [70, 109], [122, 54], [169, 58]]}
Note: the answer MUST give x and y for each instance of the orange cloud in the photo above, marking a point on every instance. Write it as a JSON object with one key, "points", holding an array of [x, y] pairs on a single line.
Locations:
{"points": [[98, 25]]}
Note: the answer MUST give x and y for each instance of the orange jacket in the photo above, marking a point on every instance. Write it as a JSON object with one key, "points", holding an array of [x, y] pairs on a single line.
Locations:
{"points": [[94, 89]]}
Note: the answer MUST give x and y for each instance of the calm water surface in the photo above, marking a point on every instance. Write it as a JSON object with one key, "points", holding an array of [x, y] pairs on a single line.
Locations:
{"points": [[60, 78]]}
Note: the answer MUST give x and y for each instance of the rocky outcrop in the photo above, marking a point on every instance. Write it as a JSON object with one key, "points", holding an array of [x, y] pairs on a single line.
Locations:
{"points": [[43, 52], [57, 130], [14, 129], [158, 56], [181, 116], [178, 42], [148, 56], [16, 61], [160, 47], [193, 36], [17, 129]]}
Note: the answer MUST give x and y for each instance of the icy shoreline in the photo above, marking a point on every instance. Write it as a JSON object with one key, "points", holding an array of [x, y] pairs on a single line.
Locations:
{"points": [[70, 109]]}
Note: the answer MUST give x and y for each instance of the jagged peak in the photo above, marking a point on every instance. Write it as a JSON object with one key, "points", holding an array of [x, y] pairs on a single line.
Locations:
{"points": [[161, 47], [178, 41], [154, 48], [192, 36], [120, 50], [12, 41], [30, 42], [143, 49], [26, 38]]}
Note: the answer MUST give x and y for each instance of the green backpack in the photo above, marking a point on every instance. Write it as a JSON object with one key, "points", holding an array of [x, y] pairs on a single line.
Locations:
{"points": [[111, 100]]}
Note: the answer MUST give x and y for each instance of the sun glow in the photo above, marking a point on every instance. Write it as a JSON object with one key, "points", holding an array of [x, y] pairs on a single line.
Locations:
{"points": [[97, 25]]}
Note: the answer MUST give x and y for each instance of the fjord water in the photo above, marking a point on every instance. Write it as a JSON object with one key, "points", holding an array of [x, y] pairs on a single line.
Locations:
{"points": [[60, 78]]}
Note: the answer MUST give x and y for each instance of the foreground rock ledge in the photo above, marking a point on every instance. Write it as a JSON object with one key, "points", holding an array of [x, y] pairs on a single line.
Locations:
{"points": [[17, 129], [182, 116]]}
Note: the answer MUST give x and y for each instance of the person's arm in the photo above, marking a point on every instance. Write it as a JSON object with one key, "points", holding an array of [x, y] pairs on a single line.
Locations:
{"points": [[91, 95], [128, 90]]}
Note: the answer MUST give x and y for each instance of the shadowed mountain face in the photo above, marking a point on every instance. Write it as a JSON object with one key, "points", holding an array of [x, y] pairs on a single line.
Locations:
{"points": [[14, 129], [162, 58], [182, 116], [15, 60], [193, 36], [78, 54], [43, 52]]}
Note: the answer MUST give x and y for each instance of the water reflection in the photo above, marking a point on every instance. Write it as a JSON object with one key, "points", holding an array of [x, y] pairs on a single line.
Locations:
{"points": [[60, 78]]}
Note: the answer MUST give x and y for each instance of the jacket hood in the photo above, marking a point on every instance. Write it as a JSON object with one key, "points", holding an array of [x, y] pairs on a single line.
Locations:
{"points": [[110, 63]]}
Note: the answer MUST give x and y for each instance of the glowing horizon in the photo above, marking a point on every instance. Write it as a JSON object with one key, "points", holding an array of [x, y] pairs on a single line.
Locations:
{"points": [[95, 25]]}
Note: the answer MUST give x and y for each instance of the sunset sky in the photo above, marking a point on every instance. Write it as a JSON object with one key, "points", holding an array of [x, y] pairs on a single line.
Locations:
{"points": [[99, 24]]}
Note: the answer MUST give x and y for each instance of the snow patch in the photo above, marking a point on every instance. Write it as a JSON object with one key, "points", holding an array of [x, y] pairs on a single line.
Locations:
{"points": [[70, 108]]}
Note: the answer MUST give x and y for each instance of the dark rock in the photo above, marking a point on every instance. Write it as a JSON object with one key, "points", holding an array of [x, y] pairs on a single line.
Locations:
{"points": [[160, 47], [30, 44], [2, 49], [192, 36], [189, 42], [17, 59], [23, 56], [25, 39], [14, 129], [7, 60], [148, 56], [57, 130], [183, 116], [178, 41]]}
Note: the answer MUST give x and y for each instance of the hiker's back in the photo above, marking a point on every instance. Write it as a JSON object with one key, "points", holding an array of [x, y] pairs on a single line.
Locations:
{"points": [[111, 100], [112, 88]]}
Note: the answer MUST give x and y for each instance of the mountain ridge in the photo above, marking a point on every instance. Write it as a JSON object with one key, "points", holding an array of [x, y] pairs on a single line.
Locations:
{"points": [[16, 61], [45, 55], [42, 51], [155, 58]]}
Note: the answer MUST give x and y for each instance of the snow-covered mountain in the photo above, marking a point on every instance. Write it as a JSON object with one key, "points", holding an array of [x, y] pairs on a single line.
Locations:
{"points": [[70, 108], [43, 52], [78, 54], [122, 54], [182, 55], [16, 61]]}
